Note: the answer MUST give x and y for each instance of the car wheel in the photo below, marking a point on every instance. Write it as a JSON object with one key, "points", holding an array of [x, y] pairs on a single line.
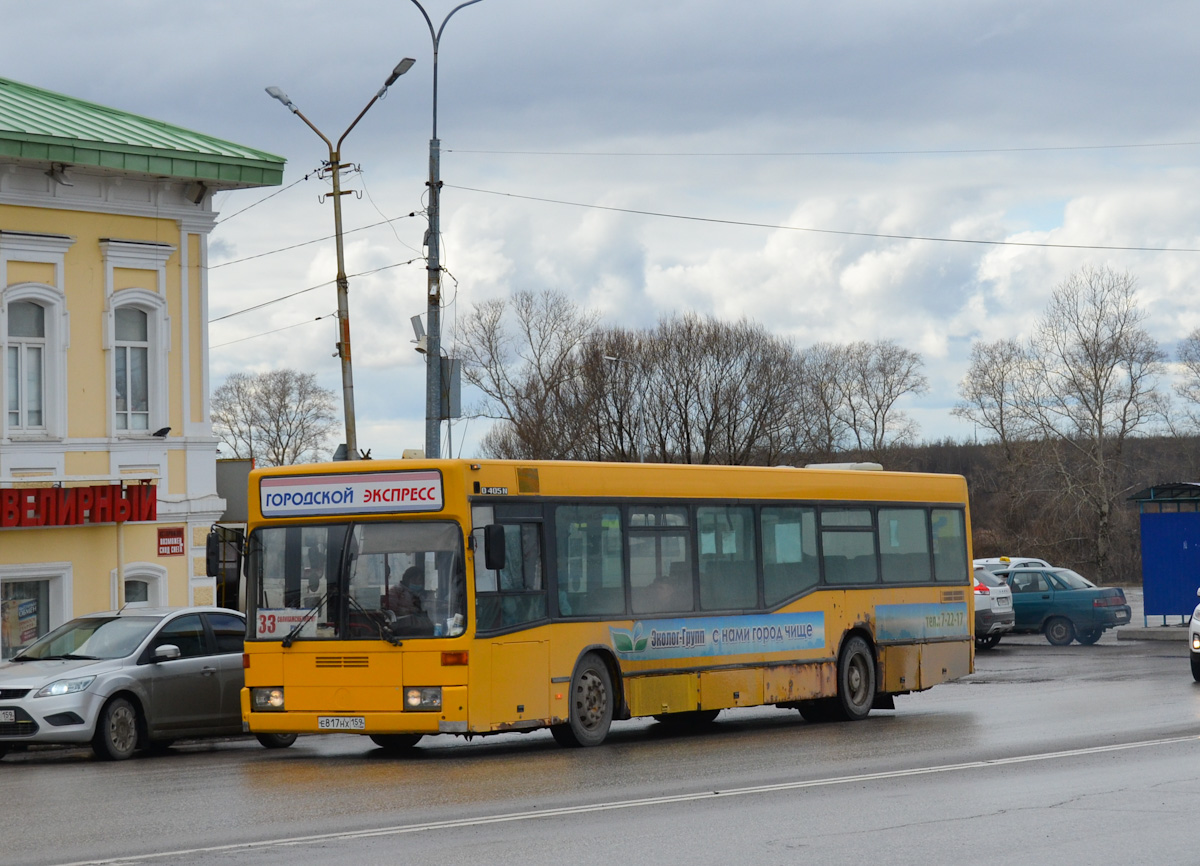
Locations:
{"points": [[116, 735], [275, 741], [4, 746], [395, 742], [1087, 638], [987, 642], [856, 680], [1195, 670], [590, 711], [1060, 631]]}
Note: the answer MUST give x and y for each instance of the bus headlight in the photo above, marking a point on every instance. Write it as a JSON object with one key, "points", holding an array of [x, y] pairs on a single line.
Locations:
{"points": [[427, 699], [266, 700]]}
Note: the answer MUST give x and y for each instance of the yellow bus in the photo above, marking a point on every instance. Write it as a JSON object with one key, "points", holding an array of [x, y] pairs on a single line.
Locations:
{"points": [[400, 599]]}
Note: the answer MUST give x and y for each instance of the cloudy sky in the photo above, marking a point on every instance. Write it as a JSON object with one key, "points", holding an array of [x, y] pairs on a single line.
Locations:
{"points": [[810, 155]]}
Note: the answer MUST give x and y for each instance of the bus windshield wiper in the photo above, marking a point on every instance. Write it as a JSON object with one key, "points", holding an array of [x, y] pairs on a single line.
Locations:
{"points": [[312, 611]]}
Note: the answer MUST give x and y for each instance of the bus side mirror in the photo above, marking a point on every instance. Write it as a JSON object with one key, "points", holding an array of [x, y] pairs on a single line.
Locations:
{"points": [[493, 547], [212, 554]]}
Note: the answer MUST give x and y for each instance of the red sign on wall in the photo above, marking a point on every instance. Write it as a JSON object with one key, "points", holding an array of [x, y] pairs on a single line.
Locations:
{"points": [[72, 506], [170, 541]]}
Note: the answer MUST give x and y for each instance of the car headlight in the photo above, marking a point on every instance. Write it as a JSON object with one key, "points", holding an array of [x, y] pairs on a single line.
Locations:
{"points": [[266, 700], [64, 687], [428, 699]]}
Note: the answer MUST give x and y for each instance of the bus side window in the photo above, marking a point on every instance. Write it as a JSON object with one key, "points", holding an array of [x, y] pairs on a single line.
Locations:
{"points": [[516, 593], [789, 540], [590, 570]]}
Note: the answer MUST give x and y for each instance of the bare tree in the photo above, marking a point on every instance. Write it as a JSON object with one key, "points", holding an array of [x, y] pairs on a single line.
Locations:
{"points": [[1086, 381], [877, 376], [525, 355], [1188, 387], [277, 418]]}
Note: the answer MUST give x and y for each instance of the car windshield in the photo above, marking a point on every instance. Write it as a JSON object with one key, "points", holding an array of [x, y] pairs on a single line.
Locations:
{"points": [[380, 580], [1071, 579], [91, 637]]}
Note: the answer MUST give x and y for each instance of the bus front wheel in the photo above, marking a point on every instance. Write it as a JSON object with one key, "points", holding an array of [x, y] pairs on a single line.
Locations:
{"points": [[856, 680], [590, 712]]}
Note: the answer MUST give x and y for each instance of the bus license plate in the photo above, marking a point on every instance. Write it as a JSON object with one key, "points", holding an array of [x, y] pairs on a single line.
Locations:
{"points": [[8, 715], [341, 723]]}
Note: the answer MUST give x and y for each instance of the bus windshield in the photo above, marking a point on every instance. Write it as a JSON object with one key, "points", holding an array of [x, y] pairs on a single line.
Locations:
{"points": [[381, 580]]}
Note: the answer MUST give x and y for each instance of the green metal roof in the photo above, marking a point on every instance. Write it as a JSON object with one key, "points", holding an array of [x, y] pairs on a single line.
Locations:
{"points": [[41, 125]]}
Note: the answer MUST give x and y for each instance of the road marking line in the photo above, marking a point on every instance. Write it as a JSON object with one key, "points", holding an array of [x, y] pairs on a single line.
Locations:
{"points": [[623, 804]]}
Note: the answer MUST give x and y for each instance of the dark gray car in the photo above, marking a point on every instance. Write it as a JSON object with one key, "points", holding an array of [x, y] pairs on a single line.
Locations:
{"points": [[128, 679]]}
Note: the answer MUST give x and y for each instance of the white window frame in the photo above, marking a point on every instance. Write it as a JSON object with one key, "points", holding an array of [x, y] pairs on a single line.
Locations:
{"points": [[157, 331], [54, 359], [60, 577], [154, 576]]}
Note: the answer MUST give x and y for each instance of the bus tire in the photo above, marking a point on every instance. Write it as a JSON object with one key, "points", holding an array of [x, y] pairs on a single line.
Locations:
{"points": [[1087, 638], [590, 711], [395, 742], [275, 741], [856, 680]]}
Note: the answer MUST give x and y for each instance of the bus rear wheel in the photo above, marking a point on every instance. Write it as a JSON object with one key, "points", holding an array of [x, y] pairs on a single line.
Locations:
{"points": [[856, 680], [395, 742], [590, 712]]}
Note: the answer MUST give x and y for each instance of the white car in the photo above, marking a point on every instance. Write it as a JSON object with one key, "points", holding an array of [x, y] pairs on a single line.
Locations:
{"points": [[1001, 563], [993, 608], [1194, 638]]}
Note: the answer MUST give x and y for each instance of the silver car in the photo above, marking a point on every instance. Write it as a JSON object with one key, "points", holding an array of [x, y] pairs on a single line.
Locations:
{"points": [[128, 679]]}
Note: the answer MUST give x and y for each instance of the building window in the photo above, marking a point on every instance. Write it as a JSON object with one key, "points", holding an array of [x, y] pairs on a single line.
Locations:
{"points": [[131, 329], [143, 584], [25, 360], [25, 607], [137, 593]]}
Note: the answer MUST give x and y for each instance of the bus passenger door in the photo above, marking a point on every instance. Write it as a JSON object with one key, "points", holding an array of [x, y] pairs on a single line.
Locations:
{"points": [[520, 682]]}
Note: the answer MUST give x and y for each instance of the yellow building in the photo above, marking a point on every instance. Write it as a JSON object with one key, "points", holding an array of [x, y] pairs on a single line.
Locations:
{"points": [[107, 457]]}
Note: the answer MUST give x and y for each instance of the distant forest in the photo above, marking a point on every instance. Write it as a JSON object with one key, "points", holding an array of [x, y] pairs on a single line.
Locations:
{"points": [[1021, 510]]}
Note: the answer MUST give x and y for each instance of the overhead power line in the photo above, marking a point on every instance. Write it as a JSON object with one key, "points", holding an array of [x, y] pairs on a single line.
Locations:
{"points": [[309, 289], [275, 331], [313, 241], [929, 152], [730, 222]]}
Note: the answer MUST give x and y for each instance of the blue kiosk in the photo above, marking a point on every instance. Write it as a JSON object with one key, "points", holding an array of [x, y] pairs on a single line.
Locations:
{"points": [[1170, 528]]}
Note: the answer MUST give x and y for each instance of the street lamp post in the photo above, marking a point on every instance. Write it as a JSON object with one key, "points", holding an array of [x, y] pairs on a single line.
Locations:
{"points": [[433, 355], [343, 285]]}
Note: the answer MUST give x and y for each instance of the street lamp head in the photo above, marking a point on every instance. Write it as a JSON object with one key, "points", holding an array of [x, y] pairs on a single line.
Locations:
{"points": [[277, 93], [401, 67]]}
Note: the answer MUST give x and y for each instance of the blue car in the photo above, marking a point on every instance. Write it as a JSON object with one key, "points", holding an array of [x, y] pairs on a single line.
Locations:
{"points": [[1063, 605]]}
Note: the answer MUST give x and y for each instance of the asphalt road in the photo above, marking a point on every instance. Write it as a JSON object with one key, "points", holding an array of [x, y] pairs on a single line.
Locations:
{"points": [[1081, 754]]}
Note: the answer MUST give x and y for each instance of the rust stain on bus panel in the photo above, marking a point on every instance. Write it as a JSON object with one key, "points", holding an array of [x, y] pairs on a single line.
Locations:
{"points": [[670, 693], [799, 682], [736, 688], [901, 668], [943, 662]]}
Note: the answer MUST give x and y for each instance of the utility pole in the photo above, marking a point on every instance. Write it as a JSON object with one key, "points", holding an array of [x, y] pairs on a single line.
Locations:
{"points": [[433, 317], [334, 166]]}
